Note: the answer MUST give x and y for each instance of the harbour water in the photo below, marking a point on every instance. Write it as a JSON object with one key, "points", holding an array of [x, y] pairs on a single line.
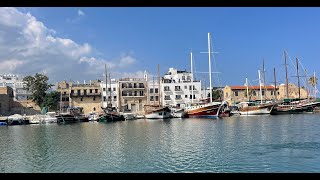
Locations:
{"points": [[284, 143]]}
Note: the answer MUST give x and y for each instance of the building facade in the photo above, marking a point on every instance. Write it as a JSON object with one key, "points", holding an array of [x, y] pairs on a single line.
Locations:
{"points": [[109, 93], [236, 94], [132, 94], [87, 96], [177, 88], [17, 85], [6, 99]]}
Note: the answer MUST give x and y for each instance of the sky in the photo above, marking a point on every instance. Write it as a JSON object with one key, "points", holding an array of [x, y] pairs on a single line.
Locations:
{"points": [[76, 43]]}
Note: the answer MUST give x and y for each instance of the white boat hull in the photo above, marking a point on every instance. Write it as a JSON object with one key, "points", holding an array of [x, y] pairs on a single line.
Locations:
{"points": [[158, 115], [261, 111]]}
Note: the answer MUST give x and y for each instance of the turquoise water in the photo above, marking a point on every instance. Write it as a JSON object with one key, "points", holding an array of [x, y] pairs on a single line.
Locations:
{"points": [[283, 143]]}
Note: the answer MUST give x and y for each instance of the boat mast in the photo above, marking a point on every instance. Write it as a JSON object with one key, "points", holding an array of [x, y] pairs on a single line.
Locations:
{"points": [[307, 89], [260, 86], [191, 78], [264, 81], [105, 69], [275, 84], [247, 89], [110, 90], [285, 65], [159, 85], [315, 85], [209, 54], [298, 76], [154, 97]]}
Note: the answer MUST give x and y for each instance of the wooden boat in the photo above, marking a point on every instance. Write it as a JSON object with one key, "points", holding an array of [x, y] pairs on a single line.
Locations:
{"points": [[156, 112]]}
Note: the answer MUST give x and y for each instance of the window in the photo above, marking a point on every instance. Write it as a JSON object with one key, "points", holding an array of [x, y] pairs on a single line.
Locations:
{"points": [[262, 92], [157, 98], [124, 93], [114, 89], [141, 93], [271, 92], [67, 98], [190, 97], [94, 109], [188, 78], [64, 93], [109, 89], [104, 89], [185, 96], [156, 90], [278, 93], [140, 100], [151, 98], [130, 85], [94, 98], [81, 99], [104, 98], [183, 78], [178, 96], [114, 98], [96, 90], [63, 99], [130, 93], [151, 90], [185, 87], [84, 92], [125, 101], [90, 90], [141, 85], [135, 93], [236, 93], [166, 97], [177, 88], [254, 93], [72, 91], [194, 96], [227, 94]]}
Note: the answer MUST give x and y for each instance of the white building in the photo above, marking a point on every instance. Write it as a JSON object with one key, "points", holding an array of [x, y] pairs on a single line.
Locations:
{"points": [[153, 94], [17, 86], [176, 88], [106, 96]]}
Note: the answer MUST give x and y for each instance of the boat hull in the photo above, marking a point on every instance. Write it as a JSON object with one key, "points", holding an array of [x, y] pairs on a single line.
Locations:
{"points": [[158, 115], [204, 112]]}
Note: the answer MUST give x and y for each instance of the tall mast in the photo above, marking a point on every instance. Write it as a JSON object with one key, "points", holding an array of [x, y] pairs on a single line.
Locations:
{"points": [[307, 89], [285, 65], [315, 85], [154, 97], [264, 81], [260, 86], [110, 90], [275, 84], [159, 85], [61, 100], [247, 89], [209, 54], [105, 69], [191, 78], [298, 76]]}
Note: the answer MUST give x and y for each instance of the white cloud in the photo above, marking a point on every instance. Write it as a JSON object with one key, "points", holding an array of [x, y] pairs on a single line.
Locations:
{"points": [[27, 46], [80, 13]]}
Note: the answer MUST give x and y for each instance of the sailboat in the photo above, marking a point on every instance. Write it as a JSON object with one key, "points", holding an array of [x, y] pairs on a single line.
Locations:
{"points": [[205, 109], [110, 113], [289, 105], [157, 111], [254, 108]]}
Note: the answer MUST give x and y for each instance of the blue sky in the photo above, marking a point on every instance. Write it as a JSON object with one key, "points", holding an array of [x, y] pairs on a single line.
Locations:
{"points": [[150, 36]]}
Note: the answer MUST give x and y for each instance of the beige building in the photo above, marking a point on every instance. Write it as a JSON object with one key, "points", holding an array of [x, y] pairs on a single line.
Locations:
{"points": [[6, 99], [87, 96], [132, 94], [235, 94]]}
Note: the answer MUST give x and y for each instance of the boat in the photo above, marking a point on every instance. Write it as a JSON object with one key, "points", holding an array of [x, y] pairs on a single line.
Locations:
{"points": [[16, 119], [255, 108], [205, 109], [110, 115], [71, 116], [157, 112], [93, 116], [178, 112], [49, 117]]}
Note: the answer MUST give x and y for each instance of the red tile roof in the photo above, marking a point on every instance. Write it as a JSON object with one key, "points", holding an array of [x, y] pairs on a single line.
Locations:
{"points": [[251, 87]]}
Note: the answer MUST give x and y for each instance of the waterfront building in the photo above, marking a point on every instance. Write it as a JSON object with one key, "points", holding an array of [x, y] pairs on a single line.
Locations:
{"points": [[132, 94], [177, 88], [86, 95], [236, 94], [109, 94], [16, 84]]}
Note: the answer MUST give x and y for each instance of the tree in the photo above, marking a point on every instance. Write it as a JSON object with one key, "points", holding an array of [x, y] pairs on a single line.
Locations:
{"points": [[313, 81], [216, 94], [38, 86], [51, 100]]}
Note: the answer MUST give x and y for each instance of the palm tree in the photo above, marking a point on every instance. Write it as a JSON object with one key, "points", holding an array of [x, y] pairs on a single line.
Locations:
{"points": [[313, 81]]}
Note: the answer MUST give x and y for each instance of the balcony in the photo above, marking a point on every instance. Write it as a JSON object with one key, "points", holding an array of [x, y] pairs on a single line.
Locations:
{"points": [[94, 94], [176, 89]]}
